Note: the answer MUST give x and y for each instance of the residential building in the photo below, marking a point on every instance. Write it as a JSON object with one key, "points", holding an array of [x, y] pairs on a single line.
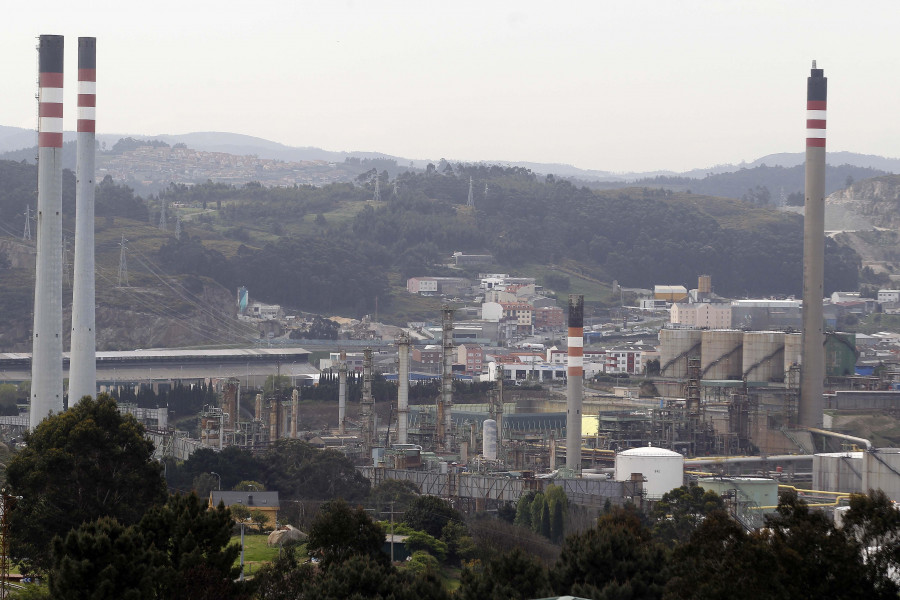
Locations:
{"points": [[429, 355], [466, 260], [624, 360], [702, 315], [438, 285], [266, 502], [888, 296], [471, 356], [548, 317]]}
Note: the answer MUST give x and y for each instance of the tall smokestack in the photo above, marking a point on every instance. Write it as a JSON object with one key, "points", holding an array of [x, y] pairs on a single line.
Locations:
{"points": [[83, 358], [812, 373], [342, 393], [574, 382], [46, 359], [367, 403], [402, 387], [444, 417]]}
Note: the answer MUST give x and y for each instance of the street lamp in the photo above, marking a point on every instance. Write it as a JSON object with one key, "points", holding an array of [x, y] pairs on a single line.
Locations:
{"points": [[219, 477]]}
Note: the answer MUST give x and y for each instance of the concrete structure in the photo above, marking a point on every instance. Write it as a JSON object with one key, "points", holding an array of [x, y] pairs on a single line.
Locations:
{"points": [[489, 439], [83, 359], [663, 470], [676, 346], [764, 314], [812, 374], [47, 337], [445, 402], [342, 394], [402, 387], [574, 382], [793, 350], [763, 356], [721, 354], [858, 472], [756, 492]]}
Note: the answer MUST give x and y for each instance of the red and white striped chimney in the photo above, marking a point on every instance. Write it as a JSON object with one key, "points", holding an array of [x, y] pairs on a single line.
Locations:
{"points": [[46, 355], [574, 382]]}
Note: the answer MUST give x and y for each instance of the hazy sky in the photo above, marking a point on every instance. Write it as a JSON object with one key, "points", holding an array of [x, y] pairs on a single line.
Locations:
{"points": [[618, 86]]}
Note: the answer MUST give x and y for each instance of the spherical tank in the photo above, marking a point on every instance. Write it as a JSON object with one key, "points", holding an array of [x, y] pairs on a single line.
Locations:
{"points": [[662, 469], [764, 356], [721, 356], [675, 346], [793, 349], [489, 432]]}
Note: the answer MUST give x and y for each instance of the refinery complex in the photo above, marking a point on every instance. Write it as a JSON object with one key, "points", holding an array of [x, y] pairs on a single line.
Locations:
{"points": [[740, 410]]}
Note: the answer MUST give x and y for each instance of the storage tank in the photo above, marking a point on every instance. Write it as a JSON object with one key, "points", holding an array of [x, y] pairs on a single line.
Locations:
{"points": [[840, 354], [720, 354], [763, 358], [793, 350], [489, 432], [675, 346], [662, 469], [756, 491], [838, 472]]}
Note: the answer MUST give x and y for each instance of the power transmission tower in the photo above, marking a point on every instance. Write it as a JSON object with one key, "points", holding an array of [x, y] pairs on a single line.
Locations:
{"points": [[27, 234], [178, 228], [377, 197], [471, 201], [123, 264], [162, 217]]}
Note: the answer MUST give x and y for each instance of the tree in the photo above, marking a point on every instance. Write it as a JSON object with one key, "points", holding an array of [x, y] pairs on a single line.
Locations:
{"points": [[248, 485], [875, 522], [196, 555], [102, 560], [616, 559], [239, 512], [680, 511], [511, 576], [179, 550], [339, 532], [297, 470], [397, 492], [259, 518], [430, 514], [77, 466]]}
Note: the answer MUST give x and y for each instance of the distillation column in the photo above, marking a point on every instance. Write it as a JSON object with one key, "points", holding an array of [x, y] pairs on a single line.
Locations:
{"points": [[402, 388], [342, 393], [445, 420]]}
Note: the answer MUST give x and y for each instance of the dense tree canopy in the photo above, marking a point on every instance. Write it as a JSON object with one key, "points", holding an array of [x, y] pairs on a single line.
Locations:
{"points": [[78, 466]]}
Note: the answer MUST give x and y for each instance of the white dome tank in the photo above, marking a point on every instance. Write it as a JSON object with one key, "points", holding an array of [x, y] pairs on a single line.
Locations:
{"points": [[675, 346], [764, 356], [721, 354], [489, 432], [662, 469]]}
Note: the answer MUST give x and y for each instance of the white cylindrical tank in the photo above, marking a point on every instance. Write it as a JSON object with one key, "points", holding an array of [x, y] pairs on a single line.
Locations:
{"points": [[793, 348], [490, 439], [720, 354], [763, 356], [663, 469], [675, 346]]}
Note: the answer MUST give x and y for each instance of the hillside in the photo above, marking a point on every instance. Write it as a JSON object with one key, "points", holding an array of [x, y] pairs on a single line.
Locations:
{"points": [[332, 250]]}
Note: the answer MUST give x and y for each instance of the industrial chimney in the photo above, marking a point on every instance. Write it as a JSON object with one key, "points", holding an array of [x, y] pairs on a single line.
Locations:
{"points": [[445, 404], [342, 393], [46, 357], [812, 373], [83, 357], [402, 387], [574, 382]]}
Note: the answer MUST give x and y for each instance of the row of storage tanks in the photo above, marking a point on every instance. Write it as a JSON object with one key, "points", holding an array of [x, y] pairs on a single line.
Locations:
{"points": [[758, 356]]}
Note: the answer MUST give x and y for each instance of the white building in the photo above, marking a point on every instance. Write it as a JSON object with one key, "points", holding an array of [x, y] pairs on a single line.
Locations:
{"points": [[704, 314], [888, 296]]}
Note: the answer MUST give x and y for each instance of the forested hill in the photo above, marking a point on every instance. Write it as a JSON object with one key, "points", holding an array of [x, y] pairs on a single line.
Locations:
{"points": [[333, 249], [318, 256]]}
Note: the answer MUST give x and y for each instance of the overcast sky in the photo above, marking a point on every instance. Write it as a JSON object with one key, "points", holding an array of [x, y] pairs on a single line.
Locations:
{"points": [[617, 86]]}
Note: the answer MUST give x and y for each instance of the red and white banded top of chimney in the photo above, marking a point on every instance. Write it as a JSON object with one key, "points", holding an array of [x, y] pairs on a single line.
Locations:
{"points": [[816, 101], [87, 84], [50, 95]]}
